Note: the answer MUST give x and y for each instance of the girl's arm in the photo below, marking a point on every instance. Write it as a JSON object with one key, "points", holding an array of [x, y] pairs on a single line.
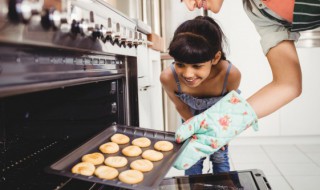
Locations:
{"points": [[287, 80], [169, 84]]}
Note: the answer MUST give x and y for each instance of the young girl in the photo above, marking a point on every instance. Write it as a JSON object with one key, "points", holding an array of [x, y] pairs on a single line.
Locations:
{"points": [[200, 76], [278, 23]]}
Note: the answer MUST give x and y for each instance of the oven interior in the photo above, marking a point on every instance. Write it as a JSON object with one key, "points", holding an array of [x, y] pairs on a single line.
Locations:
{"points": [[39, 128]]}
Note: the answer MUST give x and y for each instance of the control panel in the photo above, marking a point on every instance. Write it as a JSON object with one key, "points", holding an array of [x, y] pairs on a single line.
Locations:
{"points": [[77, 24]]}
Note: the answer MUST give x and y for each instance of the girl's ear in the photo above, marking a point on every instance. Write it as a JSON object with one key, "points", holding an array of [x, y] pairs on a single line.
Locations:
{"points": [[216, 58]]}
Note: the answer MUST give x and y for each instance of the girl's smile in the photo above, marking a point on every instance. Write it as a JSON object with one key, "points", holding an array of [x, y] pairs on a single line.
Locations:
{"points": [[192, 75], [192, 82]]}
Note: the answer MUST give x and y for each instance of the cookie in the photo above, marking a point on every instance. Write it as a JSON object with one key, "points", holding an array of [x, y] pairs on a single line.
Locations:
{"points": [[152, 155], [116, 161], [83, 168], [142, 165], [132, 151], [94, 158], [141, 142], [131, 176], [106, 172], [120, 138], [163, 146], [109, 148]]}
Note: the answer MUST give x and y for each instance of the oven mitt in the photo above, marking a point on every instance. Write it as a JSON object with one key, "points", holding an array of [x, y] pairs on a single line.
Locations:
{"points": [[214, 128]]}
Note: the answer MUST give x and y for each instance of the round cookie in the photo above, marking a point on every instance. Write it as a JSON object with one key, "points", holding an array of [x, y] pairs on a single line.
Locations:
{"points": [[83, 168], [142, 165], [109, 148], [131, 176], [120, 138], [94, 158], [152, 155], [163, 146], [142, 142], [106, 172], [132, 151], [116, 161]]}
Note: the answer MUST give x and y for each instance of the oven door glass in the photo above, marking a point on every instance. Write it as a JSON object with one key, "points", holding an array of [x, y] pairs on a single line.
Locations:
{"points": [[235, 180]]}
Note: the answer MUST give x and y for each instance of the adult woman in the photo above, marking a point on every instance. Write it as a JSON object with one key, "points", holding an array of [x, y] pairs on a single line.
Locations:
{"points": [[278, 24]]}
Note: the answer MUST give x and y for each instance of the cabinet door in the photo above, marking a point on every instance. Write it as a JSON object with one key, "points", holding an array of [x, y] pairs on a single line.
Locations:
{"points": [[150, 93]]}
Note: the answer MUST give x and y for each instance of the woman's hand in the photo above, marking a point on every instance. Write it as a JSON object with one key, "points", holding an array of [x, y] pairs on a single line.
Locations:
{"points": [[212, 5], [214, 128]]}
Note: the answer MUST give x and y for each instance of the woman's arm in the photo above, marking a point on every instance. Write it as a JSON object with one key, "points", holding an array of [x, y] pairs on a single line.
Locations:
{"points": [[169, 84], [286, 84]]}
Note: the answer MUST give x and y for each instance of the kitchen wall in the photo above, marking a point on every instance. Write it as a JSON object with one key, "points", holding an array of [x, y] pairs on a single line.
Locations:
{"points": [[298, 118]]}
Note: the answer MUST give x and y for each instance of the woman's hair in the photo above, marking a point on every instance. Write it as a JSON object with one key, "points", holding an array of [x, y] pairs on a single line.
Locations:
{"points": [[197, 41]]}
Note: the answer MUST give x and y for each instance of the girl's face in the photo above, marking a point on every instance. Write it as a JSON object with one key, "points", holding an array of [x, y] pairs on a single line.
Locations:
{"points": [[213, 5], [193, 75]]}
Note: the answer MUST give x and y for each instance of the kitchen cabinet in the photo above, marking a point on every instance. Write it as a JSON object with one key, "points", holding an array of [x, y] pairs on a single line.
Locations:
{"points": [[150, 89]]}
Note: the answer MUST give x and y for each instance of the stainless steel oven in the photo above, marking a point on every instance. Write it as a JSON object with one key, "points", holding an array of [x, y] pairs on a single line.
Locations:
{"points": [[68, 70]]}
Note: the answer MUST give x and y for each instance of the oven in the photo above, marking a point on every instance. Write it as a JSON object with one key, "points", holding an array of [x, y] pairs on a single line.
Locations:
{"points": [[68, 70]]}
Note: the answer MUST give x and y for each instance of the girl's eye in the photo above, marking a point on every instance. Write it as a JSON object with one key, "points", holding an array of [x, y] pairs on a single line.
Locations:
{"points": [[179, 64], [197, 66]]}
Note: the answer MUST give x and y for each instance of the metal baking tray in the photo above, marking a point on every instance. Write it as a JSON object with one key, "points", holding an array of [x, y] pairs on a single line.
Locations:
{"points": [[151, 180]]}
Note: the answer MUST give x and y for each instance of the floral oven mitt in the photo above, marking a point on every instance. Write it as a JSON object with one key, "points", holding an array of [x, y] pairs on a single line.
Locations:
{"points": [[214, 128]]}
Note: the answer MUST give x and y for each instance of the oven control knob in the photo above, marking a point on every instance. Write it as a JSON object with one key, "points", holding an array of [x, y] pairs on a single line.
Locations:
{"points": [[109, 34], [65, 27], [50, 18], [87, 28], [22, 10], [75, 27], [130, 39], [117, 34], [123, 38], [135, 39], [98, 31], [82, 27], [140, 40]]}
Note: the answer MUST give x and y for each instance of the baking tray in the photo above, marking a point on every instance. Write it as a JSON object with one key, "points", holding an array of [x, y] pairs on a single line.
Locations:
{"points": [[151, 180]]}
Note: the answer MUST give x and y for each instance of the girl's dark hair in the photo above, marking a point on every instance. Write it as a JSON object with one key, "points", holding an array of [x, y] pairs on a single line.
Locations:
{"points": [[197, 41]]}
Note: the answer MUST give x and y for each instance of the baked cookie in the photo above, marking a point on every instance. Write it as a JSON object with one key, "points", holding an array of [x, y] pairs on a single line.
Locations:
{"points": [[132, 151], [141, 142], [120, 138], [106, 172], [163, 146], [109, 148], [83, 168], [131, 176], [152, 155], [94, 158], [116, 161], [142, 165]]}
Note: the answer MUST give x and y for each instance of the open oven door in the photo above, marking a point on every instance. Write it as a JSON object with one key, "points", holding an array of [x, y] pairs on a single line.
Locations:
{"points": [[235, 180]]}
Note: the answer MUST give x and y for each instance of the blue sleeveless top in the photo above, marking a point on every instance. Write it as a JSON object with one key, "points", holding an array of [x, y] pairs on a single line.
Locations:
{"points": [[198, 105]]}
